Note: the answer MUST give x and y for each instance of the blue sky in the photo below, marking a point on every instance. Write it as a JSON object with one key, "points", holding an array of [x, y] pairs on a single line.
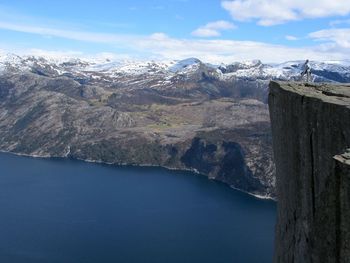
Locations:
{"points": [[212, 30]]}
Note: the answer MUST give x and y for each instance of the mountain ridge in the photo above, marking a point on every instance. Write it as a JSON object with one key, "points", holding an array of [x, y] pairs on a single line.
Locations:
{"points": [[289, 70], [199, 117]]}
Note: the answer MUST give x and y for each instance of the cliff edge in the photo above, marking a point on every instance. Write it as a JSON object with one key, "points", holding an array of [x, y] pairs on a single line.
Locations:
{"points": [[311, 138]]}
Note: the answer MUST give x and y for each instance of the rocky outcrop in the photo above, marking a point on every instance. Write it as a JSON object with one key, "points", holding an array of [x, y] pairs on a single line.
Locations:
{"points": [[342, 172], [311, 130]]}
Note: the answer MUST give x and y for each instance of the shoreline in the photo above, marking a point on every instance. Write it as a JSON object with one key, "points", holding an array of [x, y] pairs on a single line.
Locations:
{"points": [[261, 197], [195, 171]]}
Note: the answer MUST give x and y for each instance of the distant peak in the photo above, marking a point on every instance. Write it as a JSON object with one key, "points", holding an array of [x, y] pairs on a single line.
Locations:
{"points": [[184, 64], [190, 60]]}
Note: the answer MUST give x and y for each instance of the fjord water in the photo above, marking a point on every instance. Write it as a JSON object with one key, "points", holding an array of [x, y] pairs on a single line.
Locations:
{"points": [[60, 210]]}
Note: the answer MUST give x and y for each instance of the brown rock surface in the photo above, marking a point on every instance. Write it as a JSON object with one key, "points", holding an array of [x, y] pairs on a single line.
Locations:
{"points": [[310, 125]]}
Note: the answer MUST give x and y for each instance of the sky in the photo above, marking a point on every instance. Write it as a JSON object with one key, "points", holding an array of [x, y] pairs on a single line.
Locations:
{"points": [[215, 31]]}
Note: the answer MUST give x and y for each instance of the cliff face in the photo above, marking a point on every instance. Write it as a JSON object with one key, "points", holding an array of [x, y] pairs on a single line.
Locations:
{"points": [[311, 132]]}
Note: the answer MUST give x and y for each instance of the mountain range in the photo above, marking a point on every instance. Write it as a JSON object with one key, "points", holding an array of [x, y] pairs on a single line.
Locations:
{"points": [[187, 114]]}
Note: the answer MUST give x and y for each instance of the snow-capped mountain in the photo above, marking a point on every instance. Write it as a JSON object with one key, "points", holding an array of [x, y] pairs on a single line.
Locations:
{"points": [[170, 113], [330, 71], [327, 71], [190, 77], [189, 64], [179, 114]]}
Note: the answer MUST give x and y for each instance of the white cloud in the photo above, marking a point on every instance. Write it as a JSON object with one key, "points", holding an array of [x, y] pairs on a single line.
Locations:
{"points": [[338, 36], [54, 54], [291, 38], [69, 54], [63, 33], [226, 51], [272, 12], [340, 22], [213, 29], [159, 36], [161, 46]]}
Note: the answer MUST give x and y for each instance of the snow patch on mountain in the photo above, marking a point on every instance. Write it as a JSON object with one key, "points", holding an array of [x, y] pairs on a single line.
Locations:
{"points": [[166, 70], [185, 65]]}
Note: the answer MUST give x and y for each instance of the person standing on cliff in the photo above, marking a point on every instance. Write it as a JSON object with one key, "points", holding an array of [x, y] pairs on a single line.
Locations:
{"points": [[306, 71]]}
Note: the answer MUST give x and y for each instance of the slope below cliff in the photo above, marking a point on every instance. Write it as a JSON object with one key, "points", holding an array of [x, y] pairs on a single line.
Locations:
{"points": [[311, 132]]}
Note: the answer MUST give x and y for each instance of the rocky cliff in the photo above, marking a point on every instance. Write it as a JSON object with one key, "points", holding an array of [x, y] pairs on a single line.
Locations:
{"points": [[311, 132]]}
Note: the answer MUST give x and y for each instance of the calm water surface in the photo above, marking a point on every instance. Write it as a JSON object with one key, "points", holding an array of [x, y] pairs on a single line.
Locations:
{"points": [[66, 211]]}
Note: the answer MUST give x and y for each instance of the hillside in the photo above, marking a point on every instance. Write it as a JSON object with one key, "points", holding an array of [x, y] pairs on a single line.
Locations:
{"points": [[178, 114]]}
